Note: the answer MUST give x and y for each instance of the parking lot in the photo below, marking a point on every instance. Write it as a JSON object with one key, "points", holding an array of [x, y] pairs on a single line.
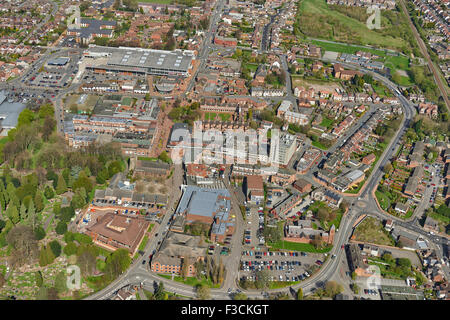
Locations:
{"points": [[253, 234], [282, 265], [128, 206]]}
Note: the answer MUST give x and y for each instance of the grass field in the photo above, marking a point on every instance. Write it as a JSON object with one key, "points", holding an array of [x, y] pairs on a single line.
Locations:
{"points": [[281, 284], [319, 21], [190, 281], [210, 116], [157, 1], [251, 66], [319, 145], [88, 104], [371, 230], [294, 246], [327, 122], [383, 200], [224, 116], [336, 47]]}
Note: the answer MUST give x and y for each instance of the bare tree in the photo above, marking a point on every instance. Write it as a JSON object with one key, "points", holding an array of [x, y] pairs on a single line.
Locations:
{"points": [[25, 245]]}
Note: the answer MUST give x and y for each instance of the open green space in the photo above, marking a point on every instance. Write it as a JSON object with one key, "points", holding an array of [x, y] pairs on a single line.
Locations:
{"points": [[294, 246], [250, 66], [191, 281], [158, 1], [282, 284], [383, 200], [224, 117], [371, 230], [147, 159], [327, 122], [143, 243], [319, 145], [344, 48], [316, 19]]}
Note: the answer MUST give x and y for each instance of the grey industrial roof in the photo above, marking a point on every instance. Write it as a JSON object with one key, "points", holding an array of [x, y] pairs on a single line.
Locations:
{"points": [[9, 113], [177, 60], [204, 202], [60, 61]]}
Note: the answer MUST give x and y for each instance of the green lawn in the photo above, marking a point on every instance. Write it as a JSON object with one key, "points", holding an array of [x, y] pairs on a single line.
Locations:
{"points": [[381, 91], [319, 145], [336, 47], [251, 66], [340, 27], [143, 243], [147, 159], [224, 116], [210, 116], [294, 246], [190, 281], [371, 230], [282, 284], [157, 1], [383, 200], [327, 122]]}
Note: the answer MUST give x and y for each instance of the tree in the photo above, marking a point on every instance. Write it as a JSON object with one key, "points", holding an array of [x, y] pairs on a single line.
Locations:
{"points": [[159, 292], [13, 214], [39, 202], [61, 227], [48, 127], [117, 263], [23, 212], [355, 288], [61, 186], [49, 193], [25, 117], [332, 288], [185, 267], [240, 296], [86, 261], [32, 216], [39, 279], [52, 294], [42, 294], [262, 279], [2, 280], [203, 292], [317, 242], [387, 168], [387, 257], [70, 249], [55, 246], [39, 233], [322, 214], [83, 182], [61, 282], [46, 110], [46, 256], [300, 294]]}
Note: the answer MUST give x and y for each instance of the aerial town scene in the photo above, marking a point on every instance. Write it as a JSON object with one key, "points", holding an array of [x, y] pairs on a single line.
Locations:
{"points": [[224, 150]]}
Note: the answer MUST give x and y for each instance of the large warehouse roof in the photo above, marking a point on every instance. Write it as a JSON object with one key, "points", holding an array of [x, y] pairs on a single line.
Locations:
{"points": [[176, 61]]}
